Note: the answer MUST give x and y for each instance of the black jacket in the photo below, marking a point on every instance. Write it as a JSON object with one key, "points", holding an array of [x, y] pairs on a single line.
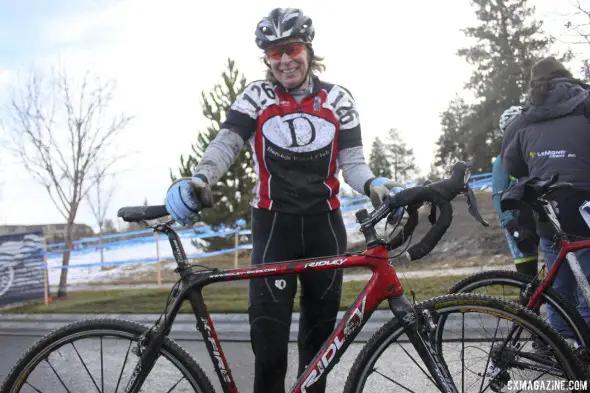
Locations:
{"points": [[555, 138]]}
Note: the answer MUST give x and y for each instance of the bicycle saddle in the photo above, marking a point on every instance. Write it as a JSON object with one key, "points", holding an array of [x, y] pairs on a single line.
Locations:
{"points": [[529, 190], [142, 213]]}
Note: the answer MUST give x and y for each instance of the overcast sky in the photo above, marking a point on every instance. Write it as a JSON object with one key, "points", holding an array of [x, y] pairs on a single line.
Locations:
{"points": [[396, 57]]}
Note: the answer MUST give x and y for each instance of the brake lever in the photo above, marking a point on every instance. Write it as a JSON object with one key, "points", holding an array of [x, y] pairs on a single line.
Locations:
{"points": [[472, 203], [432, 215]]}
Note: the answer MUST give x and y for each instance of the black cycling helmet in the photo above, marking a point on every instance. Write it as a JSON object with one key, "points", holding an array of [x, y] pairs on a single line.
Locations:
{"points": [[283, 23]]}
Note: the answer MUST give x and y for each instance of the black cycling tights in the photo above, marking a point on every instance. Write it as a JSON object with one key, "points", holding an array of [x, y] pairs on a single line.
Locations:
{"points": [[281, 237]]}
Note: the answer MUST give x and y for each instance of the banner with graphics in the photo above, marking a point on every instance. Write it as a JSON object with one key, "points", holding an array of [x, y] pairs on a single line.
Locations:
{"points": [[21, 267]]}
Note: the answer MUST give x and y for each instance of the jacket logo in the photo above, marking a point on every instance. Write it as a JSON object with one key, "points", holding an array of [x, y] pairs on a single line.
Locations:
{"points": [[295, 142], [299, 132], [552, 154]]}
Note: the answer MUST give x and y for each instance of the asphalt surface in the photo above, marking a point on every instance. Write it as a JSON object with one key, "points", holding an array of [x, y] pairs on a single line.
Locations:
{"points": [[229, 327], [395, 365], [80, 364]]}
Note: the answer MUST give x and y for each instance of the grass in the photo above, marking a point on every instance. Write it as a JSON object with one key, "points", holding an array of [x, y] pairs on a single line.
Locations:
{"points": [[130, 276], [220, 298]]}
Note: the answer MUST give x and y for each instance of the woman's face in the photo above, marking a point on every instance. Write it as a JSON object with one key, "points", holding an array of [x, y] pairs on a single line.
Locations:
{"points": [[289, 62]]}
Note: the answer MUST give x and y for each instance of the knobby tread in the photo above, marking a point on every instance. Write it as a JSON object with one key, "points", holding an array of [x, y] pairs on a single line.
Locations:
{"points": [[499, 304], [172, 347], [573, 315]]}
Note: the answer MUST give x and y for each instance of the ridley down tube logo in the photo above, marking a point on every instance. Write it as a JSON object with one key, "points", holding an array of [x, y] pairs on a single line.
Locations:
{"points": [[354, 322]]}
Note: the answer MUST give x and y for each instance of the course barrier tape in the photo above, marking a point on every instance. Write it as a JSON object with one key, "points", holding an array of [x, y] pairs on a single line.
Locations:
{"points": [[479, 181]]}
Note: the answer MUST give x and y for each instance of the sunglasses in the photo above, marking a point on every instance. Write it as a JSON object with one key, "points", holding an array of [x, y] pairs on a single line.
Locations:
{"points": [[292, 49]]}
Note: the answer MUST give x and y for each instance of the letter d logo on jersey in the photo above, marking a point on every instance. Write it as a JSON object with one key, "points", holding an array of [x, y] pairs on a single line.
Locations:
{"points": [[299, 132]]}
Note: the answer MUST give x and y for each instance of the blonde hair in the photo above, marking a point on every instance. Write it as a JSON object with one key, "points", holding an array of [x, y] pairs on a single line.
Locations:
{"points": [[316, 65]]}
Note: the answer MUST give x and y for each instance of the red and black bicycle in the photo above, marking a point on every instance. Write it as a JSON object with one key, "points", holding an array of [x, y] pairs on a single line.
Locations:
{"points": [[486, 343], [535, 292]]}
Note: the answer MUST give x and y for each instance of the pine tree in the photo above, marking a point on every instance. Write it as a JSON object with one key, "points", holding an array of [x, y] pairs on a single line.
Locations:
{"points": [[401, 159], [456, 133], [232, 192], [508, 41], [378, 160]]}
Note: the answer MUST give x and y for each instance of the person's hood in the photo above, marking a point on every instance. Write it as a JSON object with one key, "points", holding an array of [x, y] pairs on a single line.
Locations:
{"points": [[564, 96]]}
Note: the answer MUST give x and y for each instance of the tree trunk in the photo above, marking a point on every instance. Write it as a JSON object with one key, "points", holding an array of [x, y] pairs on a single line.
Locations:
{"points": [[63, 278]]}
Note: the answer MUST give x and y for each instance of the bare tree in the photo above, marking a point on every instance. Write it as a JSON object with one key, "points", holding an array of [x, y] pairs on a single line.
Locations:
{"points": [[99, 199], [61, 130], [583, 30], [577, 31], [579, 22]]}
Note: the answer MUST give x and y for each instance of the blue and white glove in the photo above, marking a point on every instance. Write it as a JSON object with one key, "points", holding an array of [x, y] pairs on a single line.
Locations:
{"points": [[186, 197], [379, 188]]}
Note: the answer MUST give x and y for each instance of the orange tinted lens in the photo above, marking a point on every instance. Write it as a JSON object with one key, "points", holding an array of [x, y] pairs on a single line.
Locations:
{"points": [[292, 49]]}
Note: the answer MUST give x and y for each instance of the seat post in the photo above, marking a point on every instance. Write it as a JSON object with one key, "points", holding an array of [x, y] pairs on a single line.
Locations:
{"points": [[177, 248], [552, 215]]}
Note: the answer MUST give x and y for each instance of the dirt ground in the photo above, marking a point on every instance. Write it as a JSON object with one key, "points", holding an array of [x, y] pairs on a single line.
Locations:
{"points": [[466, 239]]}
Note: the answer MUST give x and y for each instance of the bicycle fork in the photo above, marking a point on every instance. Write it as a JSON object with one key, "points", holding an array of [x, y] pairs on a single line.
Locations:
{"points": [[406, 313], [147, 350]]}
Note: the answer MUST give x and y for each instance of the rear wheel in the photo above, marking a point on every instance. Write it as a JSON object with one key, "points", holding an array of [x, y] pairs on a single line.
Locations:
{"points": [[511, 285]]}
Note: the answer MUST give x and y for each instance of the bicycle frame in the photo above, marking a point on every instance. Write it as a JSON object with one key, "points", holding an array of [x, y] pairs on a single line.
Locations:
{"points": [[383, 285], [567, 249]]}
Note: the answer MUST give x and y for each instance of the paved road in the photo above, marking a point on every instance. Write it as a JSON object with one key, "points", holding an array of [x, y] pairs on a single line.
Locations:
{"points": [[17, 333], [229, 327], [396, 365]]}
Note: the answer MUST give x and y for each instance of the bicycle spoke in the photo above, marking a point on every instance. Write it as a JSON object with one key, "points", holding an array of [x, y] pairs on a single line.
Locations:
{"points": [[488, 361], [503, 367], [101, 367], [123, 368], [34, 388], [176, 384], [85, 367], [391, 380], [58, 377], [536, 379], [417, 364], [463, 353]]}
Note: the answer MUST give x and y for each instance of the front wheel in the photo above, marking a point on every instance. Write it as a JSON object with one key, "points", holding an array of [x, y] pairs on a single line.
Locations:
{"points": [[474, 348], [98, 355]]}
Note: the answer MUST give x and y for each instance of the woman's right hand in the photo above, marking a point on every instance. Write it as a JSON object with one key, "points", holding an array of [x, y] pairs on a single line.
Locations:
{"points": [[186, 197]]}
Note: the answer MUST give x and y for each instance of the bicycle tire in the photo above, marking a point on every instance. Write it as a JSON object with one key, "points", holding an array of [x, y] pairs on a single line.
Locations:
{"points": [[391, 330], [550, 296], [54, 340]]}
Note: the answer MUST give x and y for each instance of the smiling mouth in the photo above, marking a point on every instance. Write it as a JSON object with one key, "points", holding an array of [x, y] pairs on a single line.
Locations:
{"points": [[289, 70]]}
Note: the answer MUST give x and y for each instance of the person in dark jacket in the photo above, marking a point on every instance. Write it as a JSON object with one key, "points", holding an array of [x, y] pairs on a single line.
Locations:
{"points": [[552, 136], [518, 225]]}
